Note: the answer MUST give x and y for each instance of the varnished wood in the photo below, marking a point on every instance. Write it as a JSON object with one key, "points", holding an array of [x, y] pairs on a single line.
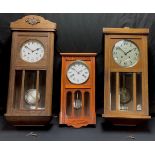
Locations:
{"points": [[79, 54], [125, 30], [139, 37], [33, 23], [31, 28], [81, 119]]}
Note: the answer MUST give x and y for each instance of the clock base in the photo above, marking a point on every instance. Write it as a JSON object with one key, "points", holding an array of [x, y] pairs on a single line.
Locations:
{"points": [[130, 120], [28, 120], [77, 122]]}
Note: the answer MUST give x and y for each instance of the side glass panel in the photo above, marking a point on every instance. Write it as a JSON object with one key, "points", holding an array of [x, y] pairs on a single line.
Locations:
{"points": [[42, 89], [17, 89], [139, 91], [86, 103], [113, 92], [69, 103]]}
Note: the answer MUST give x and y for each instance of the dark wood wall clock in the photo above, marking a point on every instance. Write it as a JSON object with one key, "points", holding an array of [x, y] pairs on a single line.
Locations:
{"points": [[31, 71], [126, 75], [78, 89]]}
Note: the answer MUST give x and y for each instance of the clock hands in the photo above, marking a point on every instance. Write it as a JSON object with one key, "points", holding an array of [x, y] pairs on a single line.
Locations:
{"points": [[31, 49], [129, 51], [35, 50], [124, 51], [28, 48], [80, 71], [121, 49]]}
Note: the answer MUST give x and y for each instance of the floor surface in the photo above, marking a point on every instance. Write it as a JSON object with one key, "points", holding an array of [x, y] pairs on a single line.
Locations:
{"points": [[100, 132]]}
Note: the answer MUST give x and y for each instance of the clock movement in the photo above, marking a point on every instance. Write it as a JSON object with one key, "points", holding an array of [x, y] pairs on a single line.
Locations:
{"points": [[126, 76], [78, 89], [31, 71]]}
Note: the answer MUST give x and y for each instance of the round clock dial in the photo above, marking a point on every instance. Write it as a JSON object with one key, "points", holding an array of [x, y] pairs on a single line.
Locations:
{"points": [[78, 72], [126, 53], [32, 51], [31, 97]]}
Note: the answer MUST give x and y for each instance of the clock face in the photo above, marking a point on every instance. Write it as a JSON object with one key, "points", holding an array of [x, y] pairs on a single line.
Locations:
{"points": [[78, 72], [126, 53], [32, 51]]}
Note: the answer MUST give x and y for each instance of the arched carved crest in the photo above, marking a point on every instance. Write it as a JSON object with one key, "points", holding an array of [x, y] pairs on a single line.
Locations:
{"points": [[34, 23]]}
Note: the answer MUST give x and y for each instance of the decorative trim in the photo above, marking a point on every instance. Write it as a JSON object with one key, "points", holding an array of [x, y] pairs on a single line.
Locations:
{"points": [[32, 21], [77, 123], [80, 58]]}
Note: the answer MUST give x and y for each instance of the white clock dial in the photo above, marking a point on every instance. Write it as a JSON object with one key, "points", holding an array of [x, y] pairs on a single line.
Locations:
{"points": [[32, 51], [126, 53], [78, 72]]}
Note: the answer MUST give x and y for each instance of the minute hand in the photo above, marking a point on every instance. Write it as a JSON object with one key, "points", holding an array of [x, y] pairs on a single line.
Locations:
{"points": [[29, 48], [36, 49], [121, 49], [129, 51]]}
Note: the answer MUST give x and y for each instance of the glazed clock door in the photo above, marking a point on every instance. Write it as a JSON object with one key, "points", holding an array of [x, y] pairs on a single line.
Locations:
{"points": [[31, 71], [30, 90], [126, 54]]}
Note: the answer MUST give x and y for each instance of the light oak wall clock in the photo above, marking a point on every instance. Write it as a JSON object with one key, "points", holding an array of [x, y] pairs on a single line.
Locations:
{"points": [[31, 71], [126, 75], [78, 89]]}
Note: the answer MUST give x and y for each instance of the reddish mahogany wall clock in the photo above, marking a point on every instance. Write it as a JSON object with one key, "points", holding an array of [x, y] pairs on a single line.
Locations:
{"points": [[78, 89]]}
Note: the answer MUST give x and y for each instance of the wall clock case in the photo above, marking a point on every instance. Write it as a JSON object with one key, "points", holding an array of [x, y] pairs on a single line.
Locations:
{"points": [[31, 71], [126, 76], [78, 89]]}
